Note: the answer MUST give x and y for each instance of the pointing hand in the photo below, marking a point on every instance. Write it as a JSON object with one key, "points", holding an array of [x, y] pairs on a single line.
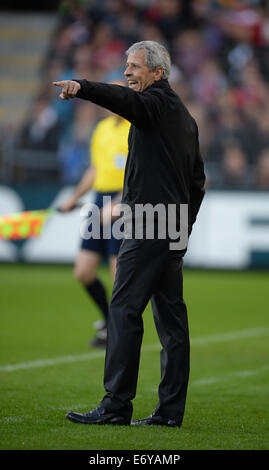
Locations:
{"points": [[69, 88]]}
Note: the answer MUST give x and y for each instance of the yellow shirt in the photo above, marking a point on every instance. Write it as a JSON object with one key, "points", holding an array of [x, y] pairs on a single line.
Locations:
{"points": [[109, 149]]}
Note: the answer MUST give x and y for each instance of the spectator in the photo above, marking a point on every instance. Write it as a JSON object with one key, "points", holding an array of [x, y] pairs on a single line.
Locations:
{"points": [[169, 16], [205, 126], [73, 153], [190, 52], [129, 26], [151, 32], [234, 172], [262, 178], [108, 50], [232, 123], [41, 131], [209, 82], [251, 90], [262, 120]]}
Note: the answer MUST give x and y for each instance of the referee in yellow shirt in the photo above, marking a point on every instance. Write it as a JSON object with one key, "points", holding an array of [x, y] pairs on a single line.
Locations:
{"points": [[109, 148]]}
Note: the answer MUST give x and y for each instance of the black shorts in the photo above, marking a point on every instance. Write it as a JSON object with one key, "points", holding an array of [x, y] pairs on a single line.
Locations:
{"points": [[106, 247]]}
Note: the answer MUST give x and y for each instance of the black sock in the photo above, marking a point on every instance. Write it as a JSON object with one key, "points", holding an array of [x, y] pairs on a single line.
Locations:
{"points": [[98, 293]]}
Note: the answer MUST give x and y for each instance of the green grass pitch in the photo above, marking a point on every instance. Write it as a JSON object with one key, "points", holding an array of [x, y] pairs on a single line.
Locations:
{"points": [[47, 368]]}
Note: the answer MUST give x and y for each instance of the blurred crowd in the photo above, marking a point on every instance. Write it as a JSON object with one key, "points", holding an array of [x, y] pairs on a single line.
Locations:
{"points": [[220, 69]]}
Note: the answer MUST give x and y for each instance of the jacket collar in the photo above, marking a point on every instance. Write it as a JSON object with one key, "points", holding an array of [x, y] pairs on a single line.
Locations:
{"points": [[163, 83]]}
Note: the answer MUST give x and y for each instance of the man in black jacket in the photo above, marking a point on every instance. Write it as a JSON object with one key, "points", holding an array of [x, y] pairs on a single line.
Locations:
{"points": [[164, 166]]}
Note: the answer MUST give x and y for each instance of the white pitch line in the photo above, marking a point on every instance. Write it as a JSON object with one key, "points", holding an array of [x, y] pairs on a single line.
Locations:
{"points": [[52, 362], [12, 419], [239, 374], [233, 335], [199, 341]]}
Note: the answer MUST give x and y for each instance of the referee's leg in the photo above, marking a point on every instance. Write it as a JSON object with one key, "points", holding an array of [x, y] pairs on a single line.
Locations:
{"points": [[170, 315]]}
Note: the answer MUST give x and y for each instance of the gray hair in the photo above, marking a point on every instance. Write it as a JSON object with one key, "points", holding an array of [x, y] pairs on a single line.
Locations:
{"points": [[156, 55]]}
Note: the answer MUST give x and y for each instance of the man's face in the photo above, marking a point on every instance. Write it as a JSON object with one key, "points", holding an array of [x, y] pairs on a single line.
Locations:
{"points": [[137, 73]]}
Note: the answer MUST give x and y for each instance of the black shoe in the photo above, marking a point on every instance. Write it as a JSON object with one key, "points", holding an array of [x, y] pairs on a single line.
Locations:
{"points": [[97, 416], [155, 420], [100, 339]]}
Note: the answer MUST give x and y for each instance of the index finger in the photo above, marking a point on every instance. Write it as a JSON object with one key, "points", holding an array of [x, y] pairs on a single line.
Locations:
{"points": [[61, 84]]}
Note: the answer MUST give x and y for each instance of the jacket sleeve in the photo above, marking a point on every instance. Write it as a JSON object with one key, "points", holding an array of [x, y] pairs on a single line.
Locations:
{"points": [[197, 188], [142, 109]]}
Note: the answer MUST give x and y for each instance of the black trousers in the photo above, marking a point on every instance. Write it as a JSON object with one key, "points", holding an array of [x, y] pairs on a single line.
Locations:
{"points": [[147, 269]]}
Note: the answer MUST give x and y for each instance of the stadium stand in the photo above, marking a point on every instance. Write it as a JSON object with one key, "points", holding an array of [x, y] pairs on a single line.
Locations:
{"points": [[220, 69], [24, 39]]}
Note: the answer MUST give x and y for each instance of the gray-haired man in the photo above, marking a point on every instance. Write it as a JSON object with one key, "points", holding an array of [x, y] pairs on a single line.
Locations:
{"points": [[164, 166]]}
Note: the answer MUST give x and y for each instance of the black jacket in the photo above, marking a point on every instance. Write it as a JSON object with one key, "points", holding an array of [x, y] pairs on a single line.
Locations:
{"points": [[164, 164]]}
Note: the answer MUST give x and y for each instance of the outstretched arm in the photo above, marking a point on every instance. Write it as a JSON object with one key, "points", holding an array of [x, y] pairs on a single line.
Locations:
{"points": [[143, 109]]}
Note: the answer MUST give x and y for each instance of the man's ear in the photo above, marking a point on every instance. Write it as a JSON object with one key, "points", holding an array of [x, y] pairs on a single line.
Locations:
{"points": [[158, 73]]}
